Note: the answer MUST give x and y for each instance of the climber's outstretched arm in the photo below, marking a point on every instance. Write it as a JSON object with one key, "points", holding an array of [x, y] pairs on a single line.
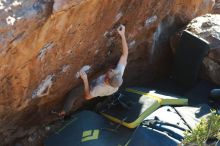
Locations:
{"points": [[83, 76], [124, 56]]}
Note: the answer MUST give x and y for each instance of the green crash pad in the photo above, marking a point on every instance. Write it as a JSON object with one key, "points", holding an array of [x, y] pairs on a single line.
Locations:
{"points": [[89, 129], [141, 104]]}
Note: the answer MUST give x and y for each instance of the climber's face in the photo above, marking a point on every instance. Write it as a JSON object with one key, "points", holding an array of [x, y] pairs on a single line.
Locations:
{"points": [[108, 75]]}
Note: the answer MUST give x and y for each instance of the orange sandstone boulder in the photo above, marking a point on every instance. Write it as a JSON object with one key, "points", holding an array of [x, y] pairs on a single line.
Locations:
{"points": [[44, 43]]}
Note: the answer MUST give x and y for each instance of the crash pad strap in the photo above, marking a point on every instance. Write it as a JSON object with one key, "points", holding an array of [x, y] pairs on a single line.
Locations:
{"points": [[143, 93], [162, 99], [137, 121]]}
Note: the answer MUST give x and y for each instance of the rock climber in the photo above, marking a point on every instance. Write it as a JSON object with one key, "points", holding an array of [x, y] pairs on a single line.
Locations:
{"points": [[105, 85]]}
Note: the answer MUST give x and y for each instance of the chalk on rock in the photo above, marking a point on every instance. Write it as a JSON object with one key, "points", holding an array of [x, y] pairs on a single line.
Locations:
{"points": [[150, 21], [45, 84], [118, 16], [132, 44], [45, 49], [85, 68], [65, 68], [105, 34], [16, 3], [10, 20]]}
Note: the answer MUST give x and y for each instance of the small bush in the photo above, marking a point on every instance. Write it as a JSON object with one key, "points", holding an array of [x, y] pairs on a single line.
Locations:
{"points": [[208, 128]]}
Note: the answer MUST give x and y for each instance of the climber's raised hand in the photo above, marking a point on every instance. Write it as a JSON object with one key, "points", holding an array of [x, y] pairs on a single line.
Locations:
{"points": [[121, 30], [83, 75]]}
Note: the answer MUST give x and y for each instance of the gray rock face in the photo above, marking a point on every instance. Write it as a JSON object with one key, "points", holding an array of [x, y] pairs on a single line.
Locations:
{"points": [[216, 8], [208, 28], [212, 69], [19, 18]]}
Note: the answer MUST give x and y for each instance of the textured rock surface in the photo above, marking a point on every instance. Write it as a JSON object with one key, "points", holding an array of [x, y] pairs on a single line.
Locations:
{"points": [[208, 28], [44, 43], [216, 8]]}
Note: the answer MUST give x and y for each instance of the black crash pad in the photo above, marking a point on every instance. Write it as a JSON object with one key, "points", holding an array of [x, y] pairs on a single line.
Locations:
{"points": [[89, 129], [188, 59]]}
